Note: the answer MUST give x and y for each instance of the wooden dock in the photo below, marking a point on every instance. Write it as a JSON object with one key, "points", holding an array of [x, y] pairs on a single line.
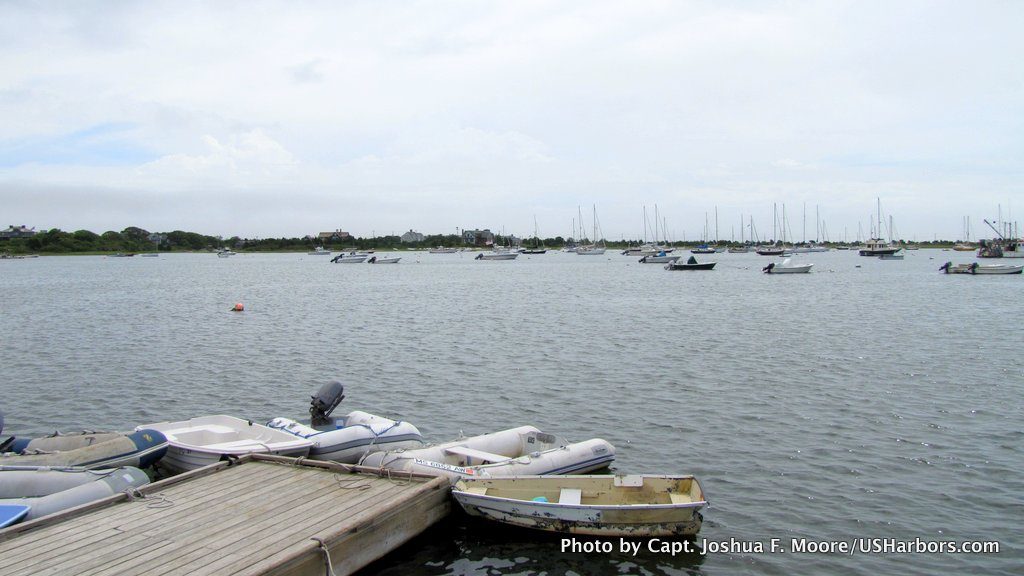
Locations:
{"points": [[265, 515]]}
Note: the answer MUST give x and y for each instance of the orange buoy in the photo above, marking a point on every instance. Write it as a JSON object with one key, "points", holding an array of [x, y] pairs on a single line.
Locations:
{"points": [[238, 307]]}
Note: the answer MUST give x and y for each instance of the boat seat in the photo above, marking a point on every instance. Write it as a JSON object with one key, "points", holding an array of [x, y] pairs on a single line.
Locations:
{"points": [[678, 498], [478, 454], [570, 496], [481, 490]]}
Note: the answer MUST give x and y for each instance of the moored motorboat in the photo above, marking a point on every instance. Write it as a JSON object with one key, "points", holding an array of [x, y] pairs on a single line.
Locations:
{"points": [[975, 268], [348, 438], [205, 440], [350, 258], [497, 255], [786, 267], [690, 264], [659, 258], [384, 260], [319, 251], [90, 450], [894, 256], [513, 452], [878, 247], [602, 505]]}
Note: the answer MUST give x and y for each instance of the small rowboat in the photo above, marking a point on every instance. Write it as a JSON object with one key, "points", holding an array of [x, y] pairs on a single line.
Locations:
{"points": [[631, 506]]}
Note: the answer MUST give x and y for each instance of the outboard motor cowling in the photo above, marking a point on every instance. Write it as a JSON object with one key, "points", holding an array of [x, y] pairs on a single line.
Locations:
{"points": [[324, 402]]}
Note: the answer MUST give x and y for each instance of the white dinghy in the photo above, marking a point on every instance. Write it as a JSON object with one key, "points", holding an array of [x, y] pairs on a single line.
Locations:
{"points": [[975, 268], [349, 438], [626, 506], [90, 450], [47, 491], [786, 267], [198, 442], [513, 452]]}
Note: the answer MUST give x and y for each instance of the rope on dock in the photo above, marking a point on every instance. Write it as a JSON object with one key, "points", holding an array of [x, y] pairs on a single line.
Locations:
{"points": [[351, 483], [328, 568], [154, 500]]}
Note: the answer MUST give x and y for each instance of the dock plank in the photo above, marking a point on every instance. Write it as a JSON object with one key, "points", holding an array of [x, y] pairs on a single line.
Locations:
{"points": [[252, 518]]}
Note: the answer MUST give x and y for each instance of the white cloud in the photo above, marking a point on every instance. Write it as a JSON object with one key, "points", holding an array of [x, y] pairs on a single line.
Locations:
{"points": [[495, 111]]}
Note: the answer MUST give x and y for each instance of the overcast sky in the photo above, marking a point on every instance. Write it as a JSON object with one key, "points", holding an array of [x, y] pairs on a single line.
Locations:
{"points": [[266, 119]]}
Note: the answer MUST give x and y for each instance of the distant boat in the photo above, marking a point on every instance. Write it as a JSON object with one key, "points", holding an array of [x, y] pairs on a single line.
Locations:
{"points": [[596, 248], [962, 247], [878, 247], [659, 258], [600, 505], [703, 249], [384, 260], [738, 249], [122, 255], [497, 255], [690, 264], [536, 245], [975, 268], [770, 251], [224, 253], [319, 251], [443, 250], [350, 258], [786, 267]]}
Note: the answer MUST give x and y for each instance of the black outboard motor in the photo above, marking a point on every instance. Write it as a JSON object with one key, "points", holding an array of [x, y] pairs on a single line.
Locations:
{"points": [[324, 402]]}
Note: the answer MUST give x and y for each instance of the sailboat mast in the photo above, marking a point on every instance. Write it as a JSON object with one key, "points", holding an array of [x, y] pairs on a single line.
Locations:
{"points": [[775, 222], [716, 225]]}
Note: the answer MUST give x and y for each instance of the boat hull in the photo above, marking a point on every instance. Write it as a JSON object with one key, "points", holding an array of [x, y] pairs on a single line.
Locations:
{"points": [[658, 259], [360, 434], [113, 482], [500, 256], [701, 266], [636, 518], [141, 448], [518, 451], [206, 440]]}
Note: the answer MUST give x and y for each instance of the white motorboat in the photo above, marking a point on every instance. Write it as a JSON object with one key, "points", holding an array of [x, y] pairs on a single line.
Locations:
{"points": [[224, 253], [658, 258], [786, 267], [89, 450], [349, 438], [513, 452], [350, 258], [624, 506], [319, 251], [893, 256], [497, 255], [197, 442], [975, 268], [443, 250], [384, 260]]}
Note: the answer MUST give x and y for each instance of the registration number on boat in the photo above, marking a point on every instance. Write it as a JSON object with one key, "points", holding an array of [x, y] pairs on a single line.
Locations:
{"points": [[448, 467]]}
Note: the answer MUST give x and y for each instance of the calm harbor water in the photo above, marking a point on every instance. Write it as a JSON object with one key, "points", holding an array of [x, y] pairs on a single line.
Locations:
{"points": [[868, 399]]}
